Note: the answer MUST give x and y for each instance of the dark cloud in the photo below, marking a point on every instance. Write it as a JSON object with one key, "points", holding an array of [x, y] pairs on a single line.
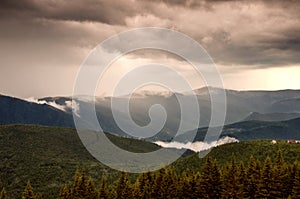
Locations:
{"points": [[110, 12], [59, 34], [214, 33], [263, 52]]}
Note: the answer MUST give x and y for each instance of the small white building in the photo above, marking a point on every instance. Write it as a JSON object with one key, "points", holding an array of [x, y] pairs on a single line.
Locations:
{"points": [[273, 142]]}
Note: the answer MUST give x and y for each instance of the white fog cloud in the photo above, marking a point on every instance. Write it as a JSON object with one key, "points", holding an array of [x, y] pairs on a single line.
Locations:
{"points": [[197, 146], [52, 103]]}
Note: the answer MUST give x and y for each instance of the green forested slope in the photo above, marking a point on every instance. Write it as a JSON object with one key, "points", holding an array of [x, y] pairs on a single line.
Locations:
{"points": [[49, 156]]}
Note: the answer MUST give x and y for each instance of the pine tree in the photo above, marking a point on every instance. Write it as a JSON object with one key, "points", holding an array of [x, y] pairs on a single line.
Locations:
{"points": [[185, 183], [265, 186], [76, 183], [242, 178], [82, 187], [103, 193], [296, 184], [210, 180], [279, 175], [38, 196], [142, 187], [252, 179], [3, 194], [158, 189], [290, 179], [123, 188], [195, 188], [91, 192], [187, 186], [28, 192], [232, 188], [65, 192], [216, 180], [170, 183]]}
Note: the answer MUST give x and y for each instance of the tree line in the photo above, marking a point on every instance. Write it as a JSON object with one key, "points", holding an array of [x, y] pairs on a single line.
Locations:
{"points": [[268, 179]]}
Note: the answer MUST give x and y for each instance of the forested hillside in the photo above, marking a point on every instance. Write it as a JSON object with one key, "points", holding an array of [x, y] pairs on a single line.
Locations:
{"points": [[268, 179], [49, 156]]}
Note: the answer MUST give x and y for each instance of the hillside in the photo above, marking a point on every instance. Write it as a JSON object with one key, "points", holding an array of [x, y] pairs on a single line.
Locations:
{"points": [[17, 111], [49, 156], [269, 117], [243, 150], [255, 130]]}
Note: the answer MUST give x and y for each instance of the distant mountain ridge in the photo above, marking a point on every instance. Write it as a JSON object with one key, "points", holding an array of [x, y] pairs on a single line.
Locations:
{"points": [[18, 111], [254, 130], [273, 106], [269, 117]]}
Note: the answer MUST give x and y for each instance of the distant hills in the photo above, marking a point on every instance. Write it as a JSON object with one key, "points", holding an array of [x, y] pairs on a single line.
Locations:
{"points": [[249, 107], [18, 111], [269, 117], [254, 130]]}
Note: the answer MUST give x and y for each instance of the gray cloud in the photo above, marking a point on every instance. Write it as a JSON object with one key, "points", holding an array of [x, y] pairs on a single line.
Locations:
{"points": [[53, 34], [230, 30], [110, 12]]}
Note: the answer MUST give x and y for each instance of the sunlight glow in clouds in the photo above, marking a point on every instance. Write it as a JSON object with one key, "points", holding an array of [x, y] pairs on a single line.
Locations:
{"points": [[269, 79], [44, 42]]}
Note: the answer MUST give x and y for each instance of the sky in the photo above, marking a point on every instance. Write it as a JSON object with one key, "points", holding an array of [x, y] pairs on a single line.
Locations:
{"points": [[254, 44]]}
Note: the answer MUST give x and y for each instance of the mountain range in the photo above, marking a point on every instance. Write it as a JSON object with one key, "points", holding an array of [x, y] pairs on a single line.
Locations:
{"points": [[250, 114]]}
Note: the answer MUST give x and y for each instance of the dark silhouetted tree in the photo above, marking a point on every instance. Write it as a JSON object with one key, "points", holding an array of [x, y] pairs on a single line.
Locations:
{"points": [[123, 189], [279, 177], [65, 192], [210, 180], [103, 192], [3, 194], [232, 188], [28, 192], [266, 182], [296, 184], [143, 186]]}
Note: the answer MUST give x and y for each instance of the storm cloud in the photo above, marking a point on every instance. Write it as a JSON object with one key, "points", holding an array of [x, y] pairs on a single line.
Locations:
{"points": [[42, 36]]}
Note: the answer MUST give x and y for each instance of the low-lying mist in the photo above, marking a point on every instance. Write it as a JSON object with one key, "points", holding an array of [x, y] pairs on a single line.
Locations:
{"points": [[196, 146]]}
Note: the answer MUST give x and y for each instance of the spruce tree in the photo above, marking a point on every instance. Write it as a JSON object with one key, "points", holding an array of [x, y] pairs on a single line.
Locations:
{"points": [[38, 196], [103, 193], [231, 182], [80, 186], [170, 183], [252, 179], [210, 180], [296, 184], [142, 187], [123, 188], [158, 189], [184, 188], [290, 179], [279, 175], [91, 192], [65, 192], [3, 194], [242, 178], [265, 186], [28, 192], [216, 180]]}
